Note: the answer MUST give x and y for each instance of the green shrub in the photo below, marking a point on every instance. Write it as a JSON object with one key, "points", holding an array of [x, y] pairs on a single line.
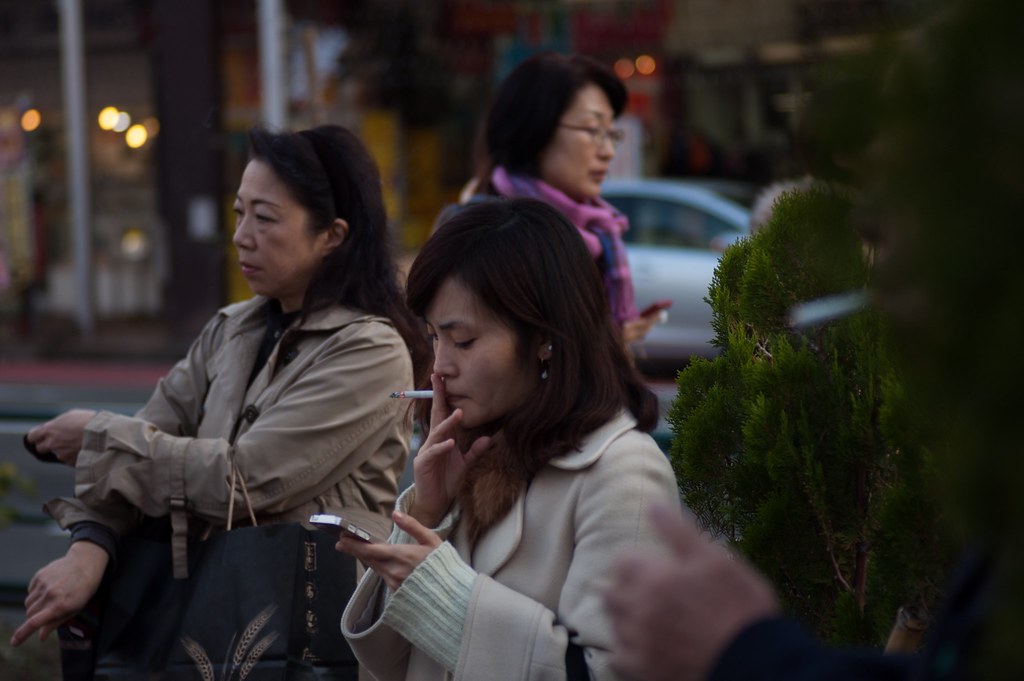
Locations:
{"points": [[795, 446], [11, 480]]}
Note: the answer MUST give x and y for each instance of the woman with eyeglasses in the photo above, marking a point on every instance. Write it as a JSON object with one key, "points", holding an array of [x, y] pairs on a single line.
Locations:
{"points": [[550, 134]]}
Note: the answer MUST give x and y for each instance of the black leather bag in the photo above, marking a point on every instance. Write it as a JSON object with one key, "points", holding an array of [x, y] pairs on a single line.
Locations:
{"points": [[259, 603]]}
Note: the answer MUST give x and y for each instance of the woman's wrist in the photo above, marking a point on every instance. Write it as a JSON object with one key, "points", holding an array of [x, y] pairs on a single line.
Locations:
{"points": [[98, 534], [89, 557], [411, 503], [424, 517]]}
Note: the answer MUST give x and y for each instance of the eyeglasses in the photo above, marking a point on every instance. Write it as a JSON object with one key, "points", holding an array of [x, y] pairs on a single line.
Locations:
{"points": [[599, 135]]}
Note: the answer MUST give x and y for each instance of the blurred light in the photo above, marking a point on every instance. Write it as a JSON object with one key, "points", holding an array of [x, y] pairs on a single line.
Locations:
{"points": [[136, 136], [790, 102], [152, 126], [624, 68], [645, 64], [780, 53], [134, 244], [30, 120], [123, 121], [108, 118]]}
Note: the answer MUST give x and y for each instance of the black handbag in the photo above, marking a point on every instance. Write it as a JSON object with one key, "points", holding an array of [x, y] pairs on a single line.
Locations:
{"points": [[256, 603], [259, 603]]}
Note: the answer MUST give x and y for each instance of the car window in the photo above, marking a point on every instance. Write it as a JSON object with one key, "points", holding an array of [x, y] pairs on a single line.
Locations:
{"points": [[655, 222]]}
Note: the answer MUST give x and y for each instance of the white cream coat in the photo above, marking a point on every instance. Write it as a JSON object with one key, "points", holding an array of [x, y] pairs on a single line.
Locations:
{"points": [[541, 569]]}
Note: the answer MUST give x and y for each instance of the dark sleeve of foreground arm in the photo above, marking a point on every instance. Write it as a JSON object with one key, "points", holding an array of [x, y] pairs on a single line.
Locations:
{"points": [[100, 535], [781, 649]]}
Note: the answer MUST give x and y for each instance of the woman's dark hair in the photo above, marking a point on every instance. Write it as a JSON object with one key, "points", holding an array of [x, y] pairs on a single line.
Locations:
{"points": [[530, 102], [330, 172], [529, 267]]}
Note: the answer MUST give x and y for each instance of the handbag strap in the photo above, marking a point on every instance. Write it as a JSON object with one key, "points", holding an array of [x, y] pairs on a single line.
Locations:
{"points": [[575, 663], [179, 509], [237, 476], [179, 513]]}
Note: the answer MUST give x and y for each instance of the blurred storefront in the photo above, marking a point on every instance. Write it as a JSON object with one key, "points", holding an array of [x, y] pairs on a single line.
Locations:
{"points": [[716, 88], [126, 235]]}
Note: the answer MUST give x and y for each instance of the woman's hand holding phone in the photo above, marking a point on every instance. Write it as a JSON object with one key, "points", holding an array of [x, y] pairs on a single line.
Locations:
{"points": [[657, 307], [393, 562], [635, 330]]}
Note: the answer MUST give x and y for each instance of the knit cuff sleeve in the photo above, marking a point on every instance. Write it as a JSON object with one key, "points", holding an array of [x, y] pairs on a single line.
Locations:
{"points": [[429, 609]]}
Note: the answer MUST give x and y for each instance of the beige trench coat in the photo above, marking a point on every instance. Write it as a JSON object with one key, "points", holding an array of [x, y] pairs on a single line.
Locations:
{"points": [[540, 570], [316, 430]]}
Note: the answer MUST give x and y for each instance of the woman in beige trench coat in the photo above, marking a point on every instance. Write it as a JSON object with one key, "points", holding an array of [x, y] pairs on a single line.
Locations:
{"points": [[287, 391]]}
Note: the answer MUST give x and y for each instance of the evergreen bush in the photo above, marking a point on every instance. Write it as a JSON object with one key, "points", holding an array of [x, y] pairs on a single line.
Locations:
{"points": [[10, 480], [795, 446]]}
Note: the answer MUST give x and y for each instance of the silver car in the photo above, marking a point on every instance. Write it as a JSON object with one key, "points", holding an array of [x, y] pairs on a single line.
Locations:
{"points": [[678, 230]]}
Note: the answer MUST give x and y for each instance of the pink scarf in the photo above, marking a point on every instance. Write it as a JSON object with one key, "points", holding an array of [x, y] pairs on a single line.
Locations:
{"points": [[600, 225]]}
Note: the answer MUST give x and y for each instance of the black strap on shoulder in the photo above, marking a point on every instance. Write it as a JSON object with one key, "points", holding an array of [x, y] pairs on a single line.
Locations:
{"points": [[575, 663]]}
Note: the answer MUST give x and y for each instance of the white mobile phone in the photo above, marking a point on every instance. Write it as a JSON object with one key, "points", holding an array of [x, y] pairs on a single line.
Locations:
{"points": [[337, 524]]}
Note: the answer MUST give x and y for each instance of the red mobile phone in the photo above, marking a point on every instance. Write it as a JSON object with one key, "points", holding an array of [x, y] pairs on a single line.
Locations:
{"points": [[656, 306]]}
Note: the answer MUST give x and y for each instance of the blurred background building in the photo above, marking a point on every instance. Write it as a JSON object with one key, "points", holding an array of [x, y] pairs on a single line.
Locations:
{"points": [[169, 89]]}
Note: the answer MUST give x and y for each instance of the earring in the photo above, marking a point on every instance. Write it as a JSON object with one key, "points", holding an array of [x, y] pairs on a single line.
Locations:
{"points": [[544, 373]]}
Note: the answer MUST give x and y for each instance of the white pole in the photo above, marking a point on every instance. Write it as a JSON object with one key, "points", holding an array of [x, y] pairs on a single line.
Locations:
{"points": [[73, 74], [272, 87]]}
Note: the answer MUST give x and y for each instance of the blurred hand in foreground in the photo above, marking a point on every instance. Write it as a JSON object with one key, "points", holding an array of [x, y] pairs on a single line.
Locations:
{"points": [[673, 615]]}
